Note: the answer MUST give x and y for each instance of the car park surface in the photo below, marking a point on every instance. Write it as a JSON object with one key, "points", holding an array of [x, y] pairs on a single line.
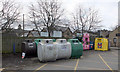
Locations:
{"points": [[91, 60]]}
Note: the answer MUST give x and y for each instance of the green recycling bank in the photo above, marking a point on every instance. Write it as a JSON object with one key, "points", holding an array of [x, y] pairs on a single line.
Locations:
{"points": [[77, 48], [37, 41]]}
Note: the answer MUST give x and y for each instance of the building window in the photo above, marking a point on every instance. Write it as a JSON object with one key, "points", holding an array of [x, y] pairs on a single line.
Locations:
{"points": [[118, 34], [114, 40]]}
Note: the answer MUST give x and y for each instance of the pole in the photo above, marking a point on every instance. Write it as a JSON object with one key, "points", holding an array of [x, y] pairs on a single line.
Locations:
{"points": [[23, 25], [14, 48]]}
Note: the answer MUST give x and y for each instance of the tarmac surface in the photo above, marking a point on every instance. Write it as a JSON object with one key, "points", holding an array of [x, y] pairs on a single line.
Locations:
{"points": [[91, 60]]}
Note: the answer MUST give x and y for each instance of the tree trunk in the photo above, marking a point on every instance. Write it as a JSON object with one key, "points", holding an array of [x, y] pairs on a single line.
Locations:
{"points": [[36, 24], [48, 31], [49, 34], [82, 31]]}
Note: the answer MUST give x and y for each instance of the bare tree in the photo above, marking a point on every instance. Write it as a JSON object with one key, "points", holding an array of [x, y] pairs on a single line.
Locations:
{"points": [[9, 13], [86, 19], [33, 17], [47, 13]]}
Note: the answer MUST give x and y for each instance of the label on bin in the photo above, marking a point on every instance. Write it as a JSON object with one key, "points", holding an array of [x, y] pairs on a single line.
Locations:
{"points": [[91, 44], [64, 47], [50, 48], [75, 43], [30, 45], [99, 45]]}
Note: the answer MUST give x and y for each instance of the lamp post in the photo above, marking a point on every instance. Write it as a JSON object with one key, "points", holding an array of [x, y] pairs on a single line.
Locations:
{"points": [[23, 25]]}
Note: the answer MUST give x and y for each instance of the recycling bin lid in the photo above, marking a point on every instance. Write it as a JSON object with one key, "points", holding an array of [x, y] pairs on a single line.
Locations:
{"points": [[38, 40], [74, 41], [47, 41], [61, 41], [28, 40]]}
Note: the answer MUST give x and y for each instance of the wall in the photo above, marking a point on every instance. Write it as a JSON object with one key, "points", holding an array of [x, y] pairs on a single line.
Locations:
{"points": [[8, 40], [119, 37], [113, 35]]}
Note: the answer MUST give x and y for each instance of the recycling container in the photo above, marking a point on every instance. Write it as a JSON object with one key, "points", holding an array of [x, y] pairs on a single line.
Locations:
{"points": [[37, 41], [86, 41], [29, 47], [91, 45], [108, 44], [63, 48], [101, 44], [86, 46], [54, 40], [46, 51], [77, 48], [86, 35]]}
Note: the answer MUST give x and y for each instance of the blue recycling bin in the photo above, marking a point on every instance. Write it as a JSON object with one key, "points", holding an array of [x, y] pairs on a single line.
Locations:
{"points": [[91, 45], [108, 44]]}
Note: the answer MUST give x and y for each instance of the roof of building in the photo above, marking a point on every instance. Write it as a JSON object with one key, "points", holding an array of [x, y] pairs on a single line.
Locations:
{"points": [[85, 31], [58, 28], [34, 33]]}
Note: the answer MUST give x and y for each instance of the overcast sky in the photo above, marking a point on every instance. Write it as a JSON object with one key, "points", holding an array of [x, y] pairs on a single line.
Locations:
{"points": [[108, 9]]}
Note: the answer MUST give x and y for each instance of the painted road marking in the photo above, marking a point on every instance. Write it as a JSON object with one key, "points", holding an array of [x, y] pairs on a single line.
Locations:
{"points": [[105, 63], [39, 67], [76, 65], [63, 66], [99, 62]]}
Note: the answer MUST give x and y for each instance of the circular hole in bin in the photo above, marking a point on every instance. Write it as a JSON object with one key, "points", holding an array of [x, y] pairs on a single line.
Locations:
{"points": [[47, 41], [77, 41], [73, 41], [39, 40], [86, 39], [61, 41], [28, 41]]}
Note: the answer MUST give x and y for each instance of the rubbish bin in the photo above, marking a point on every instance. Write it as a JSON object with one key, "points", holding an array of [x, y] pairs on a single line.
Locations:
{"points": [[37, 41], [108, 44], [46, 51], [77, 48], [63, 48], [101, 44], [86, 41], [54, 40], [29, 47], [86, 35], [91, 45]]}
